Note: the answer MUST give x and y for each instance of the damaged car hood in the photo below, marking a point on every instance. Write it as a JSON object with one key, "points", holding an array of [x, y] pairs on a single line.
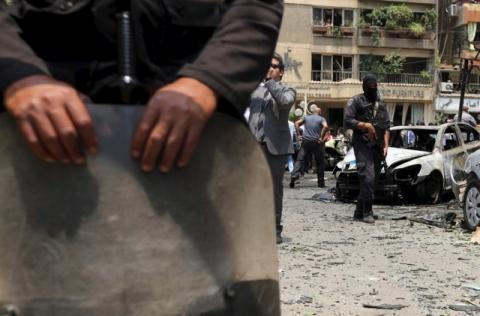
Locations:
{"points": [[395, 156]]}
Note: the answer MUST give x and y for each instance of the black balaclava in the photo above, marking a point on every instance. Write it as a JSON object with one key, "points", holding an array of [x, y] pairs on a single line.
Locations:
{"points": [[370, 93]]}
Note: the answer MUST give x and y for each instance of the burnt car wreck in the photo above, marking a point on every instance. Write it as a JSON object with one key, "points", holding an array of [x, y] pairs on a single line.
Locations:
{"points": [[419, 164]]}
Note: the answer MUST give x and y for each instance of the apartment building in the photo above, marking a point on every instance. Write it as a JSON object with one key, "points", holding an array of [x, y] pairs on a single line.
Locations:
{"points": [[329, 45], [459, 37]]}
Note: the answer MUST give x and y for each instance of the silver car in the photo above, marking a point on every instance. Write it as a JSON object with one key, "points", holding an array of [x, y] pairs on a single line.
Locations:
{"points": [[421, 165], [466, 188]]}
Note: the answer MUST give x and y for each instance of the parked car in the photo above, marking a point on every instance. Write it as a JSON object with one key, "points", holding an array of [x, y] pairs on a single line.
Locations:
{"points": [[421, 164], [335, 151], [467, 190]]}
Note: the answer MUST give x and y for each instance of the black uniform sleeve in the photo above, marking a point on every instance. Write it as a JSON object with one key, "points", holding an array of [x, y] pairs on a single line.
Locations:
{"points": [[350, 117], [237, 56], [17, 60]]}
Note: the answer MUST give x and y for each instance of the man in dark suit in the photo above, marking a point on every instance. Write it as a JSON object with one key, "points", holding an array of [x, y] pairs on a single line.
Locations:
{"points": [[269, 108]]}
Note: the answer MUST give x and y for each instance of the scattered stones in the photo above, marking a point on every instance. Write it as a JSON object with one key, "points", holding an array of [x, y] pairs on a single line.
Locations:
{"points": [[464, 308], [338, 265], [305, 299]]}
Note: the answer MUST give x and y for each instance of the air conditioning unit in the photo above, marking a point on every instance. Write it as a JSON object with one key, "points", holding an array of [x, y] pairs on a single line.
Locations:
{"points": [[446, 87], [453, 10]]}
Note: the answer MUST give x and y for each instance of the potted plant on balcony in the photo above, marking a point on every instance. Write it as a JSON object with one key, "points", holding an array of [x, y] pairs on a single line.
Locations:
{"points": [[429, 19], [392, 20], [336, 31], [426, 76], [364, 27], [347, 29], [417, 30], [319, 29]]}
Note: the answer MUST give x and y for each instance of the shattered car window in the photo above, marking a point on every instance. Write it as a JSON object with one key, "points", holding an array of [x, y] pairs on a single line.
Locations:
{"points": [[450, 139], [414, 139], [469, 134]]}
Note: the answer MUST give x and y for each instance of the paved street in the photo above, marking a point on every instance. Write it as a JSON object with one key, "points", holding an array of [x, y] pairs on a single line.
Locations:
{"points": [[330, 265]]}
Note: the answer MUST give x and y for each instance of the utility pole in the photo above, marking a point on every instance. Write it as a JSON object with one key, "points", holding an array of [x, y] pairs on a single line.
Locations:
{"points": [[466, 68], [465, 71]]}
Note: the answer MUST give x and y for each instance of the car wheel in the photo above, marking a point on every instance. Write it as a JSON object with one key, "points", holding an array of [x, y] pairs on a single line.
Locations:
{"points": [[471, 205], [430, 190]]}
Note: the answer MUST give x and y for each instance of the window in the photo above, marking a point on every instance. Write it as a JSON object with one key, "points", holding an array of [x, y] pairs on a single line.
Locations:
{"points": [[331, 67], [450, 140], [417, 114], [415, 139], [332, 17], [469, 134]]}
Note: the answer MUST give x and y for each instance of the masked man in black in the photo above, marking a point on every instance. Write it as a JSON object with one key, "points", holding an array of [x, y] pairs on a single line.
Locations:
{"points": [[367, 115]]}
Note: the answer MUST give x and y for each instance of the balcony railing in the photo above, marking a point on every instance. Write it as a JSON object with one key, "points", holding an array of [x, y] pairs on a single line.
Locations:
{"points": [[336, 76], [333, 31], [395, 33], [399, 78], [318, 75]]}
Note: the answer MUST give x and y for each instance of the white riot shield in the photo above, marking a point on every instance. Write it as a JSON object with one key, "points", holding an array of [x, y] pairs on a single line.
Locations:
{"points": [[107, 239]]}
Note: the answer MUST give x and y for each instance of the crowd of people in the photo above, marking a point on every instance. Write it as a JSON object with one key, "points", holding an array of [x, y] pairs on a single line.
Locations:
{"points": [[365, 114]]}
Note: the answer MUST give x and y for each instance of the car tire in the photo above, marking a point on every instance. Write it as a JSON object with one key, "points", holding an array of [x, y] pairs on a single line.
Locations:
{"points": [[471, 205], [430, 190]]}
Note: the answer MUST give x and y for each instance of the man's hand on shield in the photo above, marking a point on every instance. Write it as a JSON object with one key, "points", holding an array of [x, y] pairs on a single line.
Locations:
{"points": [[172, 124], [52, 118]]}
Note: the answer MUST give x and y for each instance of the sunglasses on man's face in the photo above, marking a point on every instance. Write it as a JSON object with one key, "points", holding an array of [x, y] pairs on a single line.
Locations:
{"points": [[274, 66]]}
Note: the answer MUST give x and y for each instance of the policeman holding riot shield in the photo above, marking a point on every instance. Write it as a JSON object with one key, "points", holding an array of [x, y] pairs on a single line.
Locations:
{"points": [[98, 236], [367, 115]]}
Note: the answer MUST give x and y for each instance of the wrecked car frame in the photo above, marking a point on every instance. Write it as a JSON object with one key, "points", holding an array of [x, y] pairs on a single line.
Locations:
{"points": [[420, 165]]}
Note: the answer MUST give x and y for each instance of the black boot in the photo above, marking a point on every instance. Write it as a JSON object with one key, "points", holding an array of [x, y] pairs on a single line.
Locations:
{"points": [[368, 216], [292, 181], [278, 234], [358, 214], [321, 183]]}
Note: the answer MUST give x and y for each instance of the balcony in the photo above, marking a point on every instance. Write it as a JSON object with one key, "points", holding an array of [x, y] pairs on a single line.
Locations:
{"points": [[467, 12], [396, 38], [333, 31], [432, 2], [335, 76], [340, 86], [403, 79], [349, 76]]}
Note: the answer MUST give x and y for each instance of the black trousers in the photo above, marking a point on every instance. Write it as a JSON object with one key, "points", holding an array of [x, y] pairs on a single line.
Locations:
{"points": [[277, 168], [369, 164], [318, 151]]}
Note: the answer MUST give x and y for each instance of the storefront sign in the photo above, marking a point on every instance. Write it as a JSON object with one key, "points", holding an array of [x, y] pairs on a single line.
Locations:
{"points": [[451, 104], [344, 91], [403, 94]]}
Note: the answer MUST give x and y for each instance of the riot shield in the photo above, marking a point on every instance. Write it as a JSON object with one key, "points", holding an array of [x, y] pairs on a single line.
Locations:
{"points": [[107, 239]]}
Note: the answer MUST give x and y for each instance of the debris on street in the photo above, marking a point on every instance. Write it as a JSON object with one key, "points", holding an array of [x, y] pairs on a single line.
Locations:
{"points": [[343, 265], [464, 308], [385, 306], [476, 236], [443, 220]]}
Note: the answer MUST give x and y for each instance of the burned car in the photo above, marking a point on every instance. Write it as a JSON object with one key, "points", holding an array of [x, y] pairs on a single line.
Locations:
{"points": [[420, 165]]}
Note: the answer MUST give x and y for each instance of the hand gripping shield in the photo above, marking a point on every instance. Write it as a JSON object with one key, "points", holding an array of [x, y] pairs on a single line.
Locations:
{"points": [[106, 239]]}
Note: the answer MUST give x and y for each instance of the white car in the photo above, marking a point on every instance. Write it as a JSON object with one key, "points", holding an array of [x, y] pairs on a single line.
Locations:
{"points": [[422, 163]]}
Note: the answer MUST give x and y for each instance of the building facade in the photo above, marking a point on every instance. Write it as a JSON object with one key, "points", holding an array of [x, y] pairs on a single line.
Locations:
{"points": [[459, 37], [329, 46]]}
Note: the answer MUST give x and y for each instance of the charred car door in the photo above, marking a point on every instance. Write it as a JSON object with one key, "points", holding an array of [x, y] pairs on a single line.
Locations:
{"points": [[454, 155]]}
